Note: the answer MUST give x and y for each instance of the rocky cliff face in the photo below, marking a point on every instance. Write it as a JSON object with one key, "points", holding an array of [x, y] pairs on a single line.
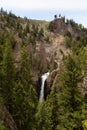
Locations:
{"points": [[60, 26]]}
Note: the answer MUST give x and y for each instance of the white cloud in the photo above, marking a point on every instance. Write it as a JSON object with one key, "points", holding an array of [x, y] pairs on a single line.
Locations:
{"points": [[44, 4]]}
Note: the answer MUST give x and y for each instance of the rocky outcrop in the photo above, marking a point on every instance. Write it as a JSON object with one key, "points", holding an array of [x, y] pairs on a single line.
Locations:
{"points": [[7, 119], [60, 26], [84, 86]]}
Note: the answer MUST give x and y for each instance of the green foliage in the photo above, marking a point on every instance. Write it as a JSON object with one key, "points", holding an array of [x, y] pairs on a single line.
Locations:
{"points": [[2, 127], [52, 117], [1, 53], [24, 106], [27, 29], [50, 27], [68, 41], [41, 33], [9, 73], [10, 38], [76, 44], [84, 124], [3, 12], [24, 96], [34, 31], [1, 38], [47, 112], [75, 25], [40, 116], [70, 99], [47, 39], [67, 33], [65, 107]]}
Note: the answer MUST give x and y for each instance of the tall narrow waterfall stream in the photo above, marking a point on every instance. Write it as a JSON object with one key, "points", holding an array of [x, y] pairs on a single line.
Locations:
{"points": [[43, 79]]}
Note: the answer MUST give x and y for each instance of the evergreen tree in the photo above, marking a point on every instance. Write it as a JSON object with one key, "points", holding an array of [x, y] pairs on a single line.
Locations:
{"points": [[47, 112], [70, 99], [27, 29], [41, 34], [51, 110], [9, 74], [25, 97], [40, 116], [2, 127]]}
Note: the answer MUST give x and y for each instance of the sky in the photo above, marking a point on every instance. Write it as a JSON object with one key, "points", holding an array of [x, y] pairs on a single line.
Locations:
{"points": [[46, 9]]}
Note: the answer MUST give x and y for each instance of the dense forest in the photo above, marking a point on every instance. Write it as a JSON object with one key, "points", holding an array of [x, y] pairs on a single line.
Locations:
{"points": [[30, 48]]}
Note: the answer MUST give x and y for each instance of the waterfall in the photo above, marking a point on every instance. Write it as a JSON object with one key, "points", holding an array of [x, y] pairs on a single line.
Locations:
{"points": [[43, 79]]}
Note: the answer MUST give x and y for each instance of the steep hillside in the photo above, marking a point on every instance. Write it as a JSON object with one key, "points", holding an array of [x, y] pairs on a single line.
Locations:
{"points": [[50, 34], [28, 49]]}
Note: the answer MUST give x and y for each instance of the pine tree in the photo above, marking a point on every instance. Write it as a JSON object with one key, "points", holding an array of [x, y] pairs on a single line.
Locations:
{"points": [[51, 110], [1, 81], [40, 116], [9, 74], [47, 112], [70, 99], [25, 97]]}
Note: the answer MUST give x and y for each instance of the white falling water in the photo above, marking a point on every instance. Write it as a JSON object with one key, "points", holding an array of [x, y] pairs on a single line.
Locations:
{"points": [[43, 79]]}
